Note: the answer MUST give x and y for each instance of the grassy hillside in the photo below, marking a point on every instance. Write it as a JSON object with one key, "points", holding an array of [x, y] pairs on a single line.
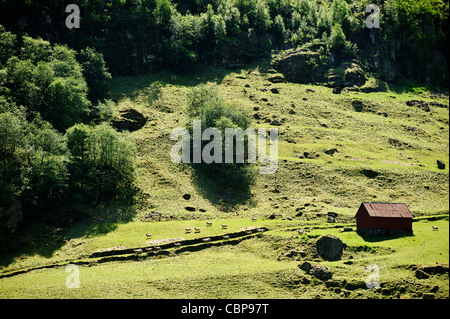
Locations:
{"points": [[386, 152]]}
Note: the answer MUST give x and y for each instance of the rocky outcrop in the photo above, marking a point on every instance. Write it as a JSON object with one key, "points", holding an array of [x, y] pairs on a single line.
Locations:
{"points": [[424, 105], [425, 271], [302, 66], [321, 272]]}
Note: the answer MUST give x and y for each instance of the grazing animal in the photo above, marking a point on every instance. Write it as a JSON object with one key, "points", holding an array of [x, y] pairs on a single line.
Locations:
{"points": [[149, 235], [187, 230], [138, 251], [435, 227], [197, 230], [226, 237], [248, 231], [208, 224], [224, 226], [148, 249], [254, 219], [157, 248], [260, 230], [206, 239], [177, 244]]}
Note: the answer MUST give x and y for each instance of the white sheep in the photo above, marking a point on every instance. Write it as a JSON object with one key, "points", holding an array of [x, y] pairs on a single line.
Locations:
{"points": [[226, 237], [206, 239], [197, 230]]}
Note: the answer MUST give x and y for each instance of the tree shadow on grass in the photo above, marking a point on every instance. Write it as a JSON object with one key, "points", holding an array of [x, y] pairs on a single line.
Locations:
{"points": [[42, 235], [223, 186]]}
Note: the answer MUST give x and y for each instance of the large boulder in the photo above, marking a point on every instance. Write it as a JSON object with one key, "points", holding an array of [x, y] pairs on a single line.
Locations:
{"points": [[129, 120], [330, 247], [354, 75]]}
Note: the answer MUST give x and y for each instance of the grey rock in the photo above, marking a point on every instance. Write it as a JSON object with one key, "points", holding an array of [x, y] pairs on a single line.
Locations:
{"points": [[330, 247]]}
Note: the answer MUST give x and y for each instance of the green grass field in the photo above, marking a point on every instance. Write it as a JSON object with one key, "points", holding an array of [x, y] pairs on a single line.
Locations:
{"points": [[387, 152], [250, 269]]}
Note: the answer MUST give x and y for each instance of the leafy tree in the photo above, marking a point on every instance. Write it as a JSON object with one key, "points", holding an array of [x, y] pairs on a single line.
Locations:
{"points": [[341, 14], [13, 157], [179, 49], [206, 105], [163, 12], [8, 43], [232, 18], [48, 177], [262, 21], [35, 50], [278, 29], [33, 160], [95, 72], [337, 38], [65, 105], [102, 165]]}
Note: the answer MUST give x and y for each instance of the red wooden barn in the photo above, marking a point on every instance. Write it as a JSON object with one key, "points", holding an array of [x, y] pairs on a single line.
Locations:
{"points": [[384, 216]]}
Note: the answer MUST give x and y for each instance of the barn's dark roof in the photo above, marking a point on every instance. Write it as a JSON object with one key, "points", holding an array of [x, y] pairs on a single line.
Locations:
{"points": [[387, 210]]}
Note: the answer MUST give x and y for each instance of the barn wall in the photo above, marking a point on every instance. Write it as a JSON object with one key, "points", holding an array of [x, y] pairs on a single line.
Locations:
{"points": [[391, 223], [364, 221]]}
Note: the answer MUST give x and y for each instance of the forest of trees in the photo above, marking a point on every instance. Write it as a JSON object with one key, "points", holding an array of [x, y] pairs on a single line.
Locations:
{"points": [[137, 36], [48, 156], [52, 77]]}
